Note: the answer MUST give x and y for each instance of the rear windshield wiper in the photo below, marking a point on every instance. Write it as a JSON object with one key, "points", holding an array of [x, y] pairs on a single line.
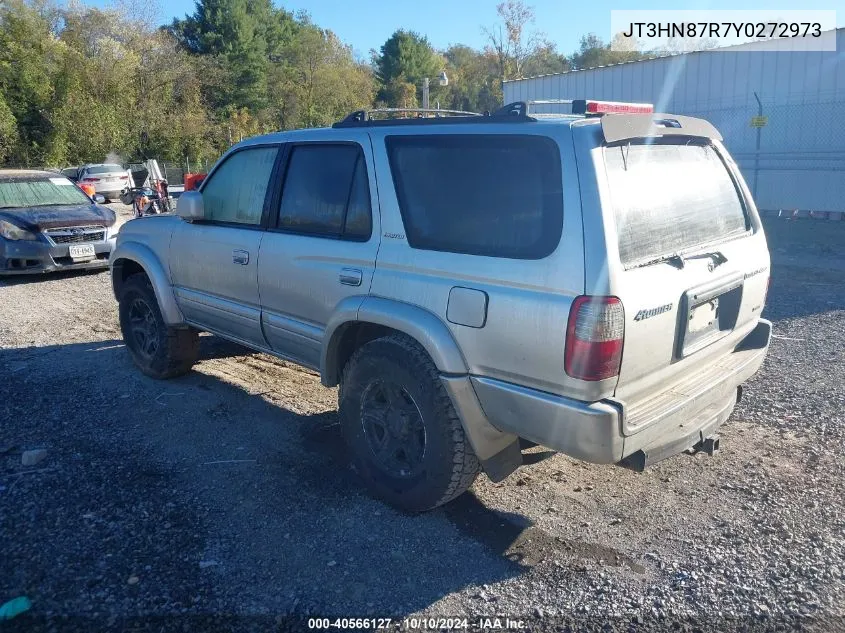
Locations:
{"points": [[679, 260], [675, 259], [717, 256]]}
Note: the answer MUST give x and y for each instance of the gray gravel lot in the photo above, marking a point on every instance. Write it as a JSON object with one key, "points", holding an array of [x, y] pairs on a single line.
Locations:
{"points": [[221, 500]]}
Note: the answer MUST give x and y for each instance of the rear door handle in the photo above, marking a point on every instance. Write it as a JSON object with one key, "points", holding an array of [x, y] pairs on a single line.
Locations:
{"points": [[351, 276], [240, 257]]}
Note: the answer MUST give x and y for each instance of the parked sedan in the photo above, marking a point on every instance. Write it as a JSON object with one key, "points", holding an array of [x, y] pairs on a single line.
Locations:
{"points": [[108, 179], [48, 224]]}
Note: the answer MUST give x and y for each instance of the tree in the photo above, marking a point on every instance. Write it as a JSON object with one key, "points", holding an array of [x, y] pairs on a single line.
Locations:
{"points": [[320, 81], [29, 55], [406, 57], [8, 131], [472, 80], [545, 60], [593, 52], [510, 40], [236, 31]]}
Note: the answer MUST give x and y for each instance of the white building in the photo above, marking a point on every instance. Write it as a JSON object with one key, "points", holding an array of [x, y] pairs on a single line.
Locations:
{"points": [[800, 164]]}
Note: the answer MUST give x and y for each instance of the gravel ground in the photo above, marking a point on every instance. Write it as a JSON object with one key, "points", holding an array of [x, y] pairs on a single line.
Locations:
{"points": [[221, 500]]}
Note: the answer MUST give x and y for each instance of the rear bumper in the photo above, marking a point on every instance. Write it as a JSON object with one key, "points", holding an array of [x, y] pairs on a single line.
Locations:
{"points": [[36, 257], [596, 432], [111, 194], [110, 189]]}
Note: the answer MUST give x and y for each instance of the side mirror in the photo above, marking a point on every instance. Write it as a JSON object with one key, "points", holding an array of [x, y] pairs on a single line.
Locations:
{"points": [[99, 198], [189, 206]]}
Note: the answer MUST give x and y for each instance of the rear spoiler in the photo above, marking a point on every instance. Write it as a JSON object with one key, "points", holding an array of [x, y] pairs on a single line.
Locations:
{"points": [[621, 127]]}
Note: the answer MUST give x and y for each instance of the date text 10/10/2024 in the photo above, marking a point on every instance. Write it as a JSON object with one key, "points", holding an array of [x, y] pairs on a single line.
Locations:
{"points": [[419, 624]]}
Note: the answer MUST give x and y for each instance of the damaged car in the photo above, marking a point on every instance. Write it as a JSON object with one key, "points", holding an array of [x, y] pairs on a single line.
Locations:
{"points": [[48, 224]]}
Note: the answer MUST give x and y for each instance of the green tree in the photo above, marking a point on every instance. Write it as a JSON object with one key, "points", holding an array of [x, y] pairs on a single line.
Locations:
{"points": [[473, 85], [510, 41], [405, 58], [322, 82], [593, 52], [545, 60], [236, 31], [29, 57], [8, 131]]}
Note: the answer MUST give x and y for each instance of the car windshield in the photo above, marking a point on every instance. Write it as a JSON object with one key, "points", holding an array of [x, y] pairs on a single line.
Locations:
{"points": [[105, 169], [40, 192]]}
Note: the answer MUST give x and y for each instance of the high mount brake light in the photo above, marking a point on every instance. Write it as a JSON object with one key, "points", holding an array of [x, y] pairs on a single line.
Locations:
{"points": [[595, 336], [585, 106]]}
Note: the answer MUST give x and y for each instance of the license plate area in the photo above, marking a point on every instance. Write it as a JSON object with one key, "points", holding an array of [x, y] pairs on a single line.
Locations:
{"points": [[81, 252], [703, 316], [709, 313]]}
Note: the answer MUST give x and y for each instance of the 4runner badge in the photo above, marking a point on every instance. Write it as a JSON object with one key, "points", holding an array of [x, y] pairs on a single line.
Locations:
{"points": [[647, 314], [395, 236]]}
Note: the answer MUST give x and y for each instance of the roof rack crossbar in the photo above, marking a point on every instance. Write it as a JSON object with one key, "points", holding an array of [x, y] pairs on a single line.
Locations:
{"points": [[365, 117], [523, 108]]}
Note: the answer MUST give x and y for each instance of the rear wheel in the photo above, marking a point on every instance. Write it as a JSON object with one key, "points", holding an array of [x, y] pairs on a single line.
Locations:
{"points": [[158, 350], [406, 439]]}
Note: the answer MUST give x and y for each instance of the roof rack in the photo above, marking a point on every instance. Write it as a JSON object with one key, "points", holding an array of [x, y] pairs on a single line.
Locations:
{"points": [[365, 117], [425, 116], [523, 108], [518, 111]]}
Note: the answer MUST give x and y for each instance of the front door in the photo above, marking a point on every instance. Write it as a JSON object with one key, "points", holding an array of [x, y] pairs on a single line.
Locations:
{"points": [[214, 262], [321, 245]]}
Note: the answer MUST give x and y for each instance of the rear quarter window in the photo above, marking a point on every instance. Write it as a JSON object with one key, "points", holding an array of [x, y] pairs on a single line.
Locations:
{"points": [[669, 197], [494, 195]]}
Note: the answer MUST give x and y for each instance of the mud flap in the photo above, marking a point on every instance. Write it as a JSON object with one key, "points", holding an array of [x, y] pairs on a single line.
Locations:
{"points": [[499, 453]]}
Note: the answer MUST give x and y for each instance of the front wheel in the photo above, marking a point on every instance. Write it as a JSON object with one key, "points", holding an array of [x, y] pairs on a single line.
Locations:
{"points": [[405, 437], [158, 350]]}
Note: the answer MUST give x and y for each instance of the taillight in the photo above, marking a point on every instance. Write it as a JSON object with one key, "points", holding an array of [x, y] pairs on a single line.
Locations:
{"points": [[595, 335], [90, 180]]}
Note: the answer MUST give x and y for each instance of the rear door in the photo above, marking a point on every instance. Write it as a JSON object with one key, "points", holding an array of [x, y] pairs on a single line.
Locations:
{"points": [[214, 263], [686, 255], [321, 245]]}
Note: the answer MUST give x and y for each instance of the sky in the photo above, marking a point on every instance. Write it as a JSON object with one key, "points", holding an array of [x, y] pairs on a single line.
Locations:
{"points": [[366, 24]]}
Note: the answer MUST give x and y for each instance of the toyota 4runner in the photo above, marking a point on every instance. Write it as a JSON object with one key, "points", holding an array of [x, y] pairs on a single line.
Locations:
{"points": [[590, 282]]}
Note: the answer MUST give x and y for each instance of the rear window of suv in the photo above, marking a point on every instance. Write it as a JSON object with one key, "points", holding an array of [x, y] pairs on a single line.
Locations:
{"points": [[481, 194], [106, 169], [670, 197]]}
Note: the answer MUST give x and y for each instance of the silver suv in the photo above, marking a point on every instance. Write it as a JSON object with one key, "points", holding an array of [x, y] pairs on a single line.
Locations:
{"points": [[589, 282]]}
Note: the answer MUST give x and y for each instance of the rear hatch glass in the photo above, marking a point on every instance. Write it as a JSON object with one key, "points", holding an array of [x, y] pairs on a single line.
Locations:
{"points": [[106, 169], [669, 198]]}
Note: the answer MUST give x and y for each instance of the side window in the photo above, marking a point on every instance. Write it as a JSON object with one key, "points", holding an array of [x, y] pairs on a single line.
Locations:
{"points": [[493, 195], [326, 192], [235, 191]]}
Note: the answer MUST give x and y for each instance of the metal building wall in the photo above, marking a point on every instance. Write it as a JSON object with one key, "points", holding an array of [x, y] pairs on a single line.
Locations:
{"points": [[801, 161]]}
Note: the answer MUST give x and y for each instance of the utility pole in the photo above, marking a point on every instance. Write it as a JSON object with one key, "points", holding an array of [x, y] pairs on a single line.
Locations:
{"points": [[443, 80]]}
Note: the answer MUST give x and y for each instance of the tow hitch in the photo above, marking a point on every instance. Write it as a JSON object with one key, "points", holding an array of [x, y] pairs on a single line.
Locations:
{"points": [[709, 445], [643, 458]]}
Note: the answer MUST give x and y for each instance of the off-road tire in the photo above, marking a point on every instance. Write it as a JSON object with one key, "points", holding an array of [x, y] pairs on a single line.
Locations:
{"points": [[176, 350], [449, 465]]}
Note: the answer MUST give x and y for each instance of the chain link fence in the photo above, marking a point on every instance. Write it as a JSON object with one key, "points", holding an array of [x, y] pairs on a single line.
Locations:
{"points": [[174, 172], [791, 155]]}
